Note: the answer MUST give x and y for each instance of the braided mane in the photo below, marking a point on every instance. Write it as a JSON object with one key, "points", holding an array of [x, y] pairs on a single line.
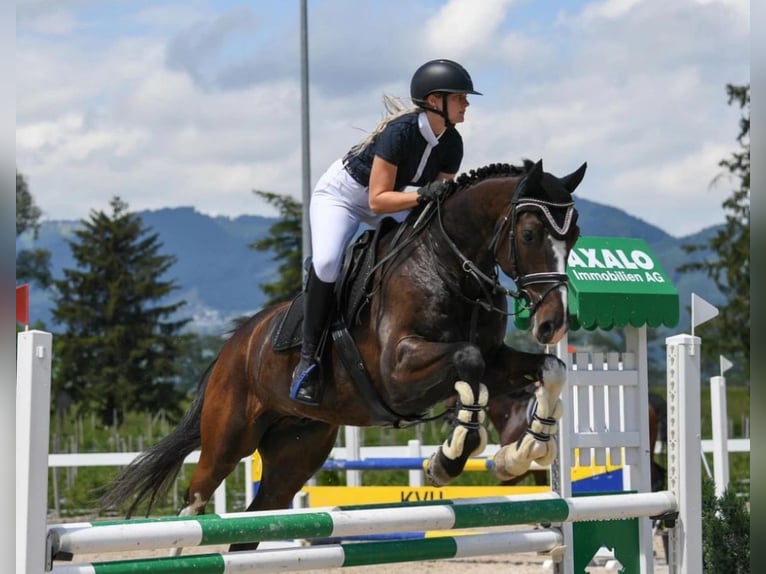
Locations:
{"points": [[492, 170]]}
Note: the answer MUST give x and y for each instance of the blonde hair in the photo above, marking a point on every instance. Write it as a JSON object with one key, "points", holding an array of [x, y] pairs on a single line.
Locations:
{"points": [[395, 108]]}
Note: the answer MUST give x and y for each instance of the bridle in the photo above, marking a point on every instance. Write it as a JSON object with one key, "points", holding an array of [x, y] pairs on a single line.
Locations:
{"points": [[490, 284]]}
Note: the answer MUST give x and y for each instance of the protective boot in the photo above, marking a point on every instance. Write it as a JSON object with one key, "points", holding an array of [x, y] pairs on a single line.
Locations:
{"points": [[317, 301]]}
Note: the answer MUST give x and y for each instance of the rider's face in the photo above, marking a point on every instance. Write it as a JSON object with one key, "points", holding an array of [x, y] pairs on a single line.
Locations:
{"points": [[456, 106]]}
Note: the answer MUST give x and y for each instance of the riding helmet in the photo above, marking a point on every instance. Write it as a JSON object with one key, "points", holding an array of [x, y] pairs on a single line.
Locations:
{"points": [[440, 76]]}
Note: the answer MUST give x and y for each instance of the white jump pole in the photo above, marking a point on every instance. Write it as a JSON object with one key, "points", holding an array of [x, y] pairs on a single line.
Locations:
{"points": [[353, 452], [684, 447], [720, 434], [417, 477], [33, 399]]}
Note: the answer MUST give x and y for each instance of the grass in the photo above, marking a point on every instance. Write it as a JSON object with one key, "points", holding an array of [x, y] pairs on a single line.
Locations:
{"points": [[78, 490]]}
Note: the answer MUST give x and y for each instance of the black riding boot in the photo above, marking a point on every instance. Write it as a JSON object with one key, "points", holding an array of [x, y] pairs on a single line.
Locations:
{"points": [[317, 302]]}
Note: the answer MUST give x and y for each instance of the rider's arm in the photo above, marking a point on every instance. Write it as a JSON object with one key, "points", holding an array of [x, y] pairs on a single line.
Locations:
{"points": [[382, 196]]}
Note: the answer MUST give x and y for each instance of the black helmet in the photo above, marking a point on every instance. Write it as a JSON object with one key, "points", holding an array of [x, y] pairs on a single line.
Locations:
{"points": [[440, 76]]}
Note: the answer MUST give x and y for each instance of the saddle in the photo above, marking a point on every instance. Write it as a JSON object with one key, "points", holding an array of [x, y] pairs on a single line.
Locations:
{"points": [[352, 293]]}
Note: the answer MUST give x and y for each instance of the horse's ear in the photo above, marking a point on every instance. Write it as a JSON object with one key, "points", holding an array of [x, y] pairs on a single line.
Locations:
{"points": [[536, 172], [571, 181]]}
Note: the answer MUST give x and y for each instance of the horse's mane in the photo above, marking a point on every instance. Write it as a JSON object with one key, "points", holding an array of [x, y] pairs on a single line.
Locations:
{"points": [[465, 180], [492, 170]]}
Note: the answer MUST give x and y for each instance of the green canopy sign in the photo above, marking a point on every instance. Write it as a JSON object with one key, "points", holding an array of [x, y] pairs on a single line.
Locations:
{"points": [[616, 281]]}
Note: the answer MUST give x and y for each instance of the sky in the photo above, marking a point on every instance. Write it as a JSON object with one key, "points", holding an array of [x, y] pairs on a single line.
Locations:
{"points": [[198, 102]]}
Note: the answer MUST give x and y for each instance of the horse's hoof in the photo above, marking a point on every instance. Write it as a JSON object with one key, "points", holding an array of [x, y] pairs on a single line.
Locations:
{"points": [[508, 463], [502, 475], [435, 472]]}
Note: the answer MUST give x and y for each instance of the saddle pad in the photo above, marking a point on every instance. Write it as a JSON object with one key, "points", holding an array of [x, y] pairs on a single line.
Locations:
{"points": [[289, 332]]}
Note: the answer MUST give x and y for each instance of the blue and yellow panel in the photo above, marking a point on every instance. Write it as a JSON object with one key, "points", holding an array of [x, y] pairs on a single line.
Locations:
{"points": [[353, 495], [593, 478]]}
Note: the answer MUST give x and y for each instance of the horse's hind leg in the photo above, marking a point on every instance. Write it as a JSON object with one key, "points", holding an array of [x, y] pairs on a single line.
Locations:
{"points": [[229, 429], [228, 435], [292, 450]]}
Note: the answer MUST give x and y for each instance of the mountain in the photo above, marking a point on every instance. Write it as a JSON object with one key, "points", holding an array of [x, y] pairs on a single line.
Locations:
{"points": [[219, 275]]}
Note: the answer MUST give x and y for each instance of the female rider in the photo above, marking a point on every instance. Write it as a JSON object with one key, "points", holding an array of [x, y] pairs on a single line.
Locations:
{"points": [[412, 147]]}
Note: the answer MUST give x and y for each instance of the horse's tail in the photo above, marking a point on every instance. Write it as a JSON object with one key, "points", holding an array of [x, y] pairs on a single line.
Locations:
{"points": [[149, 477]]}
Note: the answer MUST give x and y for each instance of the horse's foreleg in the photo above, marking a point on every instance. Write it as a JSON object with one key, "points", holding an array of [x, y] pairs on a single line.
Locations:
{"points": [[467, 438], [537, 443], [418, 359]]}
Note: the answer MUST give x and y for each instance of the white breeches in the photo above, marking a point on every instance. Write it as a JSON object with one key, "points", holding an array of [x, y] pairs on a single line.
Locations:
{"points": [[339, 205]]}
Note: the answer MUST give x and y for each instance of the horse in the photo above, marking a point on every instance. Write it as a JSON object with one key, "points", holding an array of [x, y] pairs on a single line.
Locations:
{"points": [[432, 325], [509, 415]]}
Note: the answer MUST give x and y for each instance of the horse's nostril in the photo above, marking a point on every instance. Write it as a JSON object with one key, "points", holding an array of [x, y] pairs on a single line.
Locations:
{"points": [[545, 331]]}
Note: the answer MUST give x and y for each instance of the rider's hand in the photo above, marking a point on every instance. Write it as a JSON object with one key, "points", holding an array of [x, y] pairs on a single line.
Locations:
{"points": [[435, 190]]}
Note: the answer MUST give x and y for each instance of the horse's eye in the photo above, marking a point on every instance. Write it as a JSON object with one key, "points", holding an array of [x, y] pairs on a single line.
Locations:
{"points": [[528, 235]]}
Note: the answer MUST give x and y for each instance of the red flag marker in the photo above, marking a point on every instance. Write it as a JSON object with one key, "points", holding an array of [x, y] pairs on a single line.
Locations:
{"points": [[22, 304]]}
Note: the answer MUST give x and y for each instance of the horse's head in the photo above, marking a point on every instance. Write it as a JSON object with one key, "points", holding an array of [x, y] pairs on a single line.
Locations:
{"points": [[522, 220], [532, 243]]}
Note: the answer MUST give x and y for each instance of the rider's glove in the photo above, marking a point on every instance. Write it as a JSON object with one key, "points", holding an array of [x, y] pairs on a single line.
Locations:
{"points": [[436, 190]]}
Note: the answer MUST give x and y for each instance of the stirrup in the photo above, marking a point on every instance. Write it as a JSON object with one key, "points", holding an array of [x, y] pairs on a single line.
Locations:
{"points": [[305, 387]]}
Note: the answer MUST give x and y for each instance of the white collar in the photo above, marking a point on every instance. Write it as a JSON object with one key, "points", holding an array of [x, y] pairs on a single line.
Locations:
{"points": [[426, 131]]}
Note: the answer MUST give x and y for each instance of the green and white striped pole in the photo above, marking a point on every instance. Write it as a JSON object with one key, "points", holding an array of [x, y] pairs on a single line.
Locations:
{"points": [[331, 556], [180, 532]]}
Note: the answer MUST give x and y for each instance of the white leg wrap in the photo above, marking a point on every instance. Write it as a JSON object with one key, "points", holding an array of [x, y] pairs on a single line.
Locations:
{"points": [[538, 443], [453, 445], [469, 419]]}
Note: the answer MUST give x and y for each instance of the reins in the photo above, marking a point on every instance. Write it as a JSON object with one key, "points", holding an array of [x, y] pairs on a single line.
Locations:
{"points": [[488, 284]]}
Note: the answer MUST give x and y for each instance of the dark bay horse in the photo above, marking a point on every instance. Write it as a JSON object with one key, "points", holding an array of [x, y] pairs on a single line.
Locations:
{"points": [[434, 326]]}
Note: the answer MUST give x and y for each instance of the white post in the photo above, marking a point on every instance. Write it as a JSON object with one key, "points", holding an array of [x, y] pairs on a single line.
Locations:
{"points": [[33, 399], [413, 449], [638, 476], [353, 452], [561, 468], [720, 434], [248, 482], [219, 498], [684, 447]]}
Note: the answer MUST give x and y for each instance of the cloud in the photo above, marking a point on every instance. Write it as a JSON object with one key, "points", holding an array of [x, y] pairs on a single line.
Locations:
{"points": [[211, 51], [465, 27], [198, 104]]}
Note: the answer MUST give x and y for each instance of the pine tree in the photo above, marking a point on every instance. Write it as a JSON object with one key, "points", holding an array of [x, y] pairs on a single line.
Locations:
{"points": [[118, 351], [32, 265], [729, 334], [284, 240]]}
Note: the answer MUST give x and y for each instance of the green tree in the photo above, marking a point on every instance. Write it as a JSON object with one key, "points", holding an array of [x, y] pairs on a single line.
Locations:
{"points": [[196, 356], [118, 351], [32, 265], [285, 240], [725, 531], [729, 267]]}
